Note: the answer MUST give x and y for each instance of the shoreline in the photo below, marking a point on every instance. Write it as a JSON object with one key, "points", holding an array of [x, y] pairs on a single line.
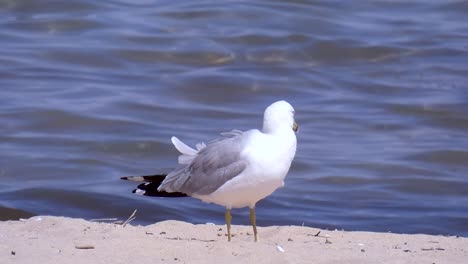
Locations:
{"points": [[49, 239]]}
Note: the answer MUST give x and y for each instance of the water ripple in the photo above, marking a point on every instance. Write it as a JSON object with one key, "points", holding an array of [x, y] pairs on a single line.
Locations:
{"points": [[93, 90]]}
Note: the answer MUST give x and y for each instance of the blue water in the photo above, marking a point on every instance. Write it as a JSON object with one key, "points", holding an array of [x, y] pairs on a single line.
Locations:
{"points": [[93, 90]]}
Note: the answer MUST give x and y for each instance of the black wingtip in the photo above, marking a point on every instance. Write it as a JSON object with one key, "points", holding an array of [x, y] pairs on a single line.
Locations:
{"points": [[145, 178], [149, 186]]}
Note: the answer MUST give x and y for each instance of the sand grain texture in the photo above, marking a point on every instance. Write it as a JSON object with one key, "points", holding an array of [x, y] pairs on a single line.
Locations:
{"points": [[47, 239]]}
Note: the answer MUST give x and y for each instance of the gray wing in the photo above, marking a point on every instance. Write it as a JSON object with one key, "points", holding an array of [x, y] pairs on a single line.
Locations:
{"points": [[214, 165]]}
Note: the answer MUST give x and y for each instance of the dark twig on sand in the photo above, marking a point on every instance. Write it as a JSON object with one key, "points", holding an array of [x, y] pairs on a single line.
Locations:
{"points": [[84, 247]]}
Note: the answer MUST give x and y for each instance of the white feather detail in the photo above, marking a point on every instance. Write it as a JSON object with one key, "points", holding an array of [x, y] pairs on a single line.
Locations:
{"points": [[182, 148], [200, 146], [140, 192], [185, 159], [188, 153]]}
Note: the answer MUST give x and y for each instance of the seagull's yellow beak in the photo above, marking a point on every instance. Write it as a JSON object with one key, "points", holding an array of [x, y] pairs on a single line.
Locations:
{"points": [[295, 127]]}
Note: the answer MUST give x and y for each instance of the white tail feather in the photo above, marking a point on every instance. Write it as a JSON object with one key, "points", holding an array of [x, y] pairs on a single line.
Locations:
{"points": [[188, 153], [182, 148]]}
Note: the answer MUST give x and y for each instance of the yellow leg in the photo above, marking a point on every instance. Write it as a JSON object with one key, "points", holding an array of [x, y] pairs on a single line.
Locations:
{"points": [[253, 221], [228, 223]]}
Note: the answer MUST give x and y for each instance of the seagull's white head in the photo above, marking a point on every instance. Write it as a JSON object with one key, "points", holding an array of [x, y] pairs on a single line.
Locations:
{"points": [[279, 115]]}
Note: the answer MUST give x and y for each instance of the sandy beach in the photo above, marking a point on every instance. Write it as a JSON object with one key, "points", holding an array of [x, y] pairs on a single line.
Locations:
{"points": [[47, 239]]}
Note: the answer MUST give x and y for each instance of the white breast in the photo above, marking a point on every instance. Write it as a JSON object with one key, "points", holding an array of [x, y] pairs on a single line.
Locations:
{"points": [[269, 158]]}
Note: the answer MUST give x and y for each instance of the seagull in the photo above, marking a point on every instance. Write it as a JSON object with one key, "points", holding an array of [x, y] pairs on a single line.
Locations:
{"points": [[236, 170]]}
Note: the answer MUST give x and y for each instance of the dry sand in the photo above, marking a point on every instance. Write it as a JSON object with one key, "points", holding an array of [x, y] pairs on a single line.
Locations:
{"points": [[46, 239]]}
